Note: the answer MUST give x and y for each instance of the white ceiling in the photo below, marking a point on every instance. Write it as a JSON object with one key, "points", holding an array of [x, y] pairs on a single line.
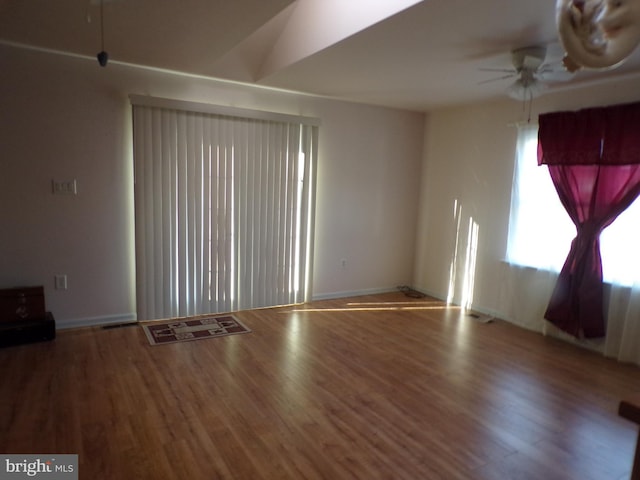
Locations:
{"points": [[409, 54]]}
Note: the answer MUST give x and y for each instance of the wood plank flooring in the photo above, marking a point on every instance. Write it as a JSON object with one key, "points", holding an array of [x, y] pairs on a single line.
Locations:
{"points": [[375, 387]]}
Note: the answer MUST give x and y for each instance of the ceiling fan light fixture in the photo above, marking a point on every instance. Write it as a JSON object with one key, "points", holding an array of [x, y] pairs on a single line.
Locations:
{"points": [[533, 70], [524, 91]]}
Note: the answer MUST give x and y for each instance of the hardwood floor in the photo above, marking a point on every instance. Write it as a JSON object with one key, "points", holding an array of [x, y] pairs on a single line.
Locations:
{"points": [[371, 387]]}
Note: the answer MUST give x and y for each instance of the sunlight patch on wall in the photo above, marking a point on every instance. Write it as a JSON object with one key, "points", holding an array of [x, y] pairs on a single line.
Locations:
{"points": [[457, 215], [470, 264], [462, 267]]}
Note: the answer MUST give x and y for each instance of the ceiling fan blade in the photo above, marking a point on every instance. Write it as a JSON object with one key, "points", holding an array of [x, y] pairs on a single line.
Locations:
{"points": [[530, 69], [503, 70], [554, 72], [497, 79]]}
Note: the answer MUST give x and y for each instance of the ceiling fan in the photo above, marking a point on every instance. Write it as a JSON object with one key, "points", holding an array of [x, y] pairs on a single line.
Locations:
{"points": [[531, 68]]}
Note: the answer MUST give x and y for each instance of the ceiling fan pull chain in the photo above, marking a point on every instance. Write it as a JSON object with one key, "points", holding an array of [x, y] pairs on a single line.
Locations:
{"points": [[103, 57]]}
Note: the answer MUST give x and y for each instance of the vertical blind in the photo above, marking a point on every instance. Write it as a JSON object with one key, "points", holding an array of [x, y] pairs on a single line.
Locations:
{"points": [[224, 211]]}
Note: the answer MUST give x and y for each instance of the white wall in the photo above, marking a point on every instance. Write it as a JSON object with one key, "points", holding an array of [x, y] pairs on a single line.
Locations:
{"points": [[467, 173], [66, 118], [469, 158]]}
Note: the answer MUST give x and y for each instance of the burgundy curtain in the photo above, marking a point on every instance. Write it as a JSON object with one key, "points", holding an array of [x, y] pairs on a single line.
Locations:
{"points": [[594, 161]]}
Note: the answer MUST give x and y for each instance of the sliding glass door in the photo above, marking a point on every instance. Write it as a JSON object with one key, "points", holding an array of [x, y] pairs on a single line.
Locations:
{"points": [[224, 211]]}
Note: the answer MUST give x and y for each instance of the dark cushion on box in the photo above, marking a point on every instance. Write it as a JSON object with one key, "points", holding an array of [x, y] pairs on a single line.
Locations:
{"points": [[27, 331]]}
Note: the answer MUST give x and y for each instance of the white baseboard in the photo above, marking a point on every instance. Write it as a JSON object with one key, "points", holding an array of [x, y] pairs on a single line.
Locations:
{"points": [[95, 321], [356, 293], [476, 308]]}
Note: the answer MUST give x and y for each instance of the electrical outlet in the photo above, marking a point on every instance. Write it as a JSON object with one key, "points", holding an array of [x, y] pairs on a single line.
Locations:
{"points": [[343, 263], [65, 187]]}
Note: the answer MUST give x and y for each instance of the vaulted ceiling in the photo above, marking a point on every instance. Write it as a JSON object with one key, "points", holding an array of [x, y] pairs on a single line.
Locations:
{"points": [[408, 54]]}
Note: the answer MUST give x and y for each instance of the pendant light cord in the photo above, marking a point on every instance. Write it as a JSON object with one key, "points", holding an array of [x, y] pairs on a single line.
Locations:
{"points": [[527, 104], [102, 24]]}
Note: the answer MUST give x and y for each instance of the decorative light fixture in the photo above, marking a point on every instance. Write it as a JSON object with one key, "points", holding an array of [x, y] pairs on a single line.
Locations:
{"points": [[103, 57], [526, 88]]}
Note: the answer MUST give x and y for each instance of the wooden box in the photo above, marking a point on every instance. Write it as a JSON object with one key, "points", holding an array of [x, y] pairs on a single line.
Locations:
{"points": [[22, 304], [27, 331]]}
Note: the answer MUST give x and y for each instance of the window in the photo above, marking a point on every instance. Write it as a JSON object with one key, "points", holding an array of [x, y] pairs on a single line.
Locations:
{"points": [[224, 210], [536, 210]]}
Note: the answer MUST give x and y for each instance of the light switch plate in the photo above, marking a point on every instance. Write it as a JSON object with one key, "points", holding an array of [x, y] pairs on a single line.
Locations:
{"points": [[61, 282]]}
